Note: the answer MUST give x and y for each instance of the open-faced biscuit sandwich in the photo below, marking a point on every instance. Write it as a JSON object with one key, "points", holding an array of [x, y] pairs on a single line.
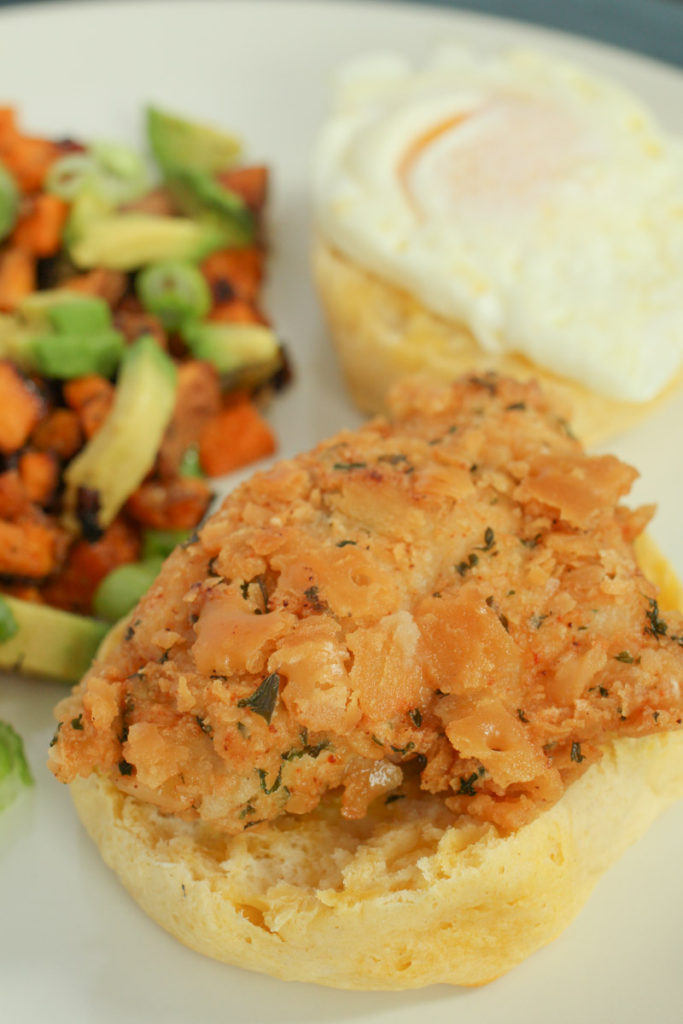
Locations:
{"points": [[387, 717], [507, 212]]}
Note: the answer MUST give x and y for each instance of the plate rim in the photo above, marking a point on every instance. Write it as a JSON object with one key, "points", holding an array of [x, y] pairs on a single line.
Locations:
{"points": [[627, 26]]}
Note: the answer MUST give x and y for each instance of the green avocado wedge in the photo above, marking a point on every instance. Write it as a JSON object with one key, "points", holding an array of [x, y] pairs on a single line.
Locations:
{"points": [[190, 156], [126, 241], [61, 334], [118, 457], [47, 641], [178, 142], [9, 202], [61, 308], [243, 354], [200, 195]]}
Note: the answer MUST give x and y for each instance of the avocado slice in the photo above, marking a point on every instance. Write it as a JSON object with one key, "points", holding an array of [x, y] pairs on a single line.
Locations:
{"points": [[88, 206], [71, 354], [198, 194], [190, 155], [9, 202], [126, 241], [48, 309], [118, 457], [177, 142], [62, 334], [48, 641], [247, 354], [90, 313]]}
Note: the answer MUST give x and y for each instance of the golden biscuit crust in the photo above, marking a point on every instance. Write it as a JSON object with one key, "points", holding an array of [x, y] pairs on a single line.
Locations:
{"points": [[382, 334], [418, 888], [377, 906]]}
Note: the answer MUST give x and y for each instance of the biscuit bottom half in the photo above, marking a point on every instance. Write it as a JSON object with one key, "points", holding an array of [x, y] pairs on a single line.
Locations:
{"points": [[381, 333], [395, 900]]}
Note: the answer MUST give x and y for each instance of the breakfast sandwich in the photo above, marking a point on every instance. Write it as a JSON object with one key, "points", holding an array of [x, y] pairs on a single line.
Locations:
{"points": [[501, 211], [404, 697]]}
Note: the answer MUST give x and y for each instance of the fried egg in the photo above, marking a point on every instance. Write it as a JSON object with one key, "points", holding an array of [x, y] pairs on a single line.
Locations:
{"points": [[522, 196]]}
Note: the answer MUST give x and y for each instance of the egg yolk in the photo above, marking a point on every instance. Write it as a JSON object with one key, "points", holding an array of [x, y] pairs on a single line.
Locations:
{"points": [[505, 154]]}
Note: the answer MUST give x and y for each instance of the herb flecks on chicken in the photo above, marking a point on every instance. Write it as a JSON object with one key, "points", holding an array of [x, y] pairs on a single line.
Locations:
{"points": [[450, 598]]}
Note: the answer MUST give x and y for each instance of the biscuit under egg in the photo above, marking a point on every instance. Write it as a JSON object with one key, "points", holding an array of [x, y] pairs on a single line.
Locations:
{"points": [[505, 211]]}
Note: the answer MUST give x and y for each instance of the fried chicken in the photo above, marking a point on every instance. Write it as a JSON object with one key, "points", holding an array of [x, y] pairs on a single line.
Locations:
{"points": [[448, 599]]}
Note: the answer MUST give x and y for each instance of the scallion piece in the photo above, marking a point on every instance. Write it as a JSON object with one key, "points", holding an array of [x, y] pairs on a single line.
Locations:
{"points": [[160, 543], [121, 175], [115, 172], [15, 773], [176, 292], [122, 588], [68, 176], [190, 464]]}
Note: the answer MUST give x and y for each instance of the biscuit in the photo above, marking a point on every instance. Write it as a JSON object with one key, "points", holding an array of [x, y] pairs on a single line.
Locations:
{"points": [[401, 898], [382, 333]]}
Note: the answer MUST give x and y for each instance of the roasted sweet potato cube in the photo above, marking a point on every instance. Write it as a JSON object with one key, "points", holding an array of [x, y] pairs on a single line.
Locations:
{"points": [[20, 408]]}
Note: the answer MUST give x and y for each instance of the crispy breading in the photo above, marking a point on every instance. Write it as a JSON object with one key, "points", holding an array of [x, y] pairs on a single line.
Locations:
{"points": [[449, 597]]}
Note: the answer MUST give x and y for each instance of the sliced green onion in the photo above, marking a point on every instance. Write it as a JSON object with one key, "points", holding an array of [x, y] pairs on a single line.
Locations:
{"points": [[176, 292], [68, 176], [9, 626], [190, 464], [115, 172], [9, 202], [15, 773], [121, 172], [160, 543], [122, 588]]}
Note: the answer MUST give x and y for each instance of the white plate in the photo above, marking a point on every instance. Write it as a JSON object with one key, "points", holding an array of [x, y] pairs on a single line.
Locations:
{"points": [[73, 947]]}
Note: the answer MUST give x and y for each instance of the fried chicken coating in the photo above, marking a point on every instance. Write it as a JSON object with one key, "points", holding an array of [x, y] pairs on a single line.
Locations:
{"points": [[448, 598]]}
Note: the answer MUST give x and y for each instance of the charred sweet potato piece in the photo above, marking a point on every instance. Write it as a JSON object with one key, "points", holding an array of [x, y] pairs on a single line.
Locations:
{"points": [[20, 408], [39, 473], [27, 158], [234, 273], [251, 183], [88, 563], [30, 550], [91, 397], [103, 283], [176, 504], [59, 432], [14, 499], [198, 399], [234, 437], [17, 277], [39, 229]]}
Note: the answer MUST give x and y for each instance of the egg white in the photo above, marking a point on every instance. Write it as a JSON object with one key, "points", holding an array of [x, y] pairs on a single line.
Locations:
{"points": [[517, 194]]}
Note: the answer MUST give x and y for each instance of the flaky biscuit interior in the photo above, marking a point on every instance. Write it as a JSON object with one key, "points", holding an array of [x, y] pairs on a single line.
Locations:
{"points": [[402, 898]]}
